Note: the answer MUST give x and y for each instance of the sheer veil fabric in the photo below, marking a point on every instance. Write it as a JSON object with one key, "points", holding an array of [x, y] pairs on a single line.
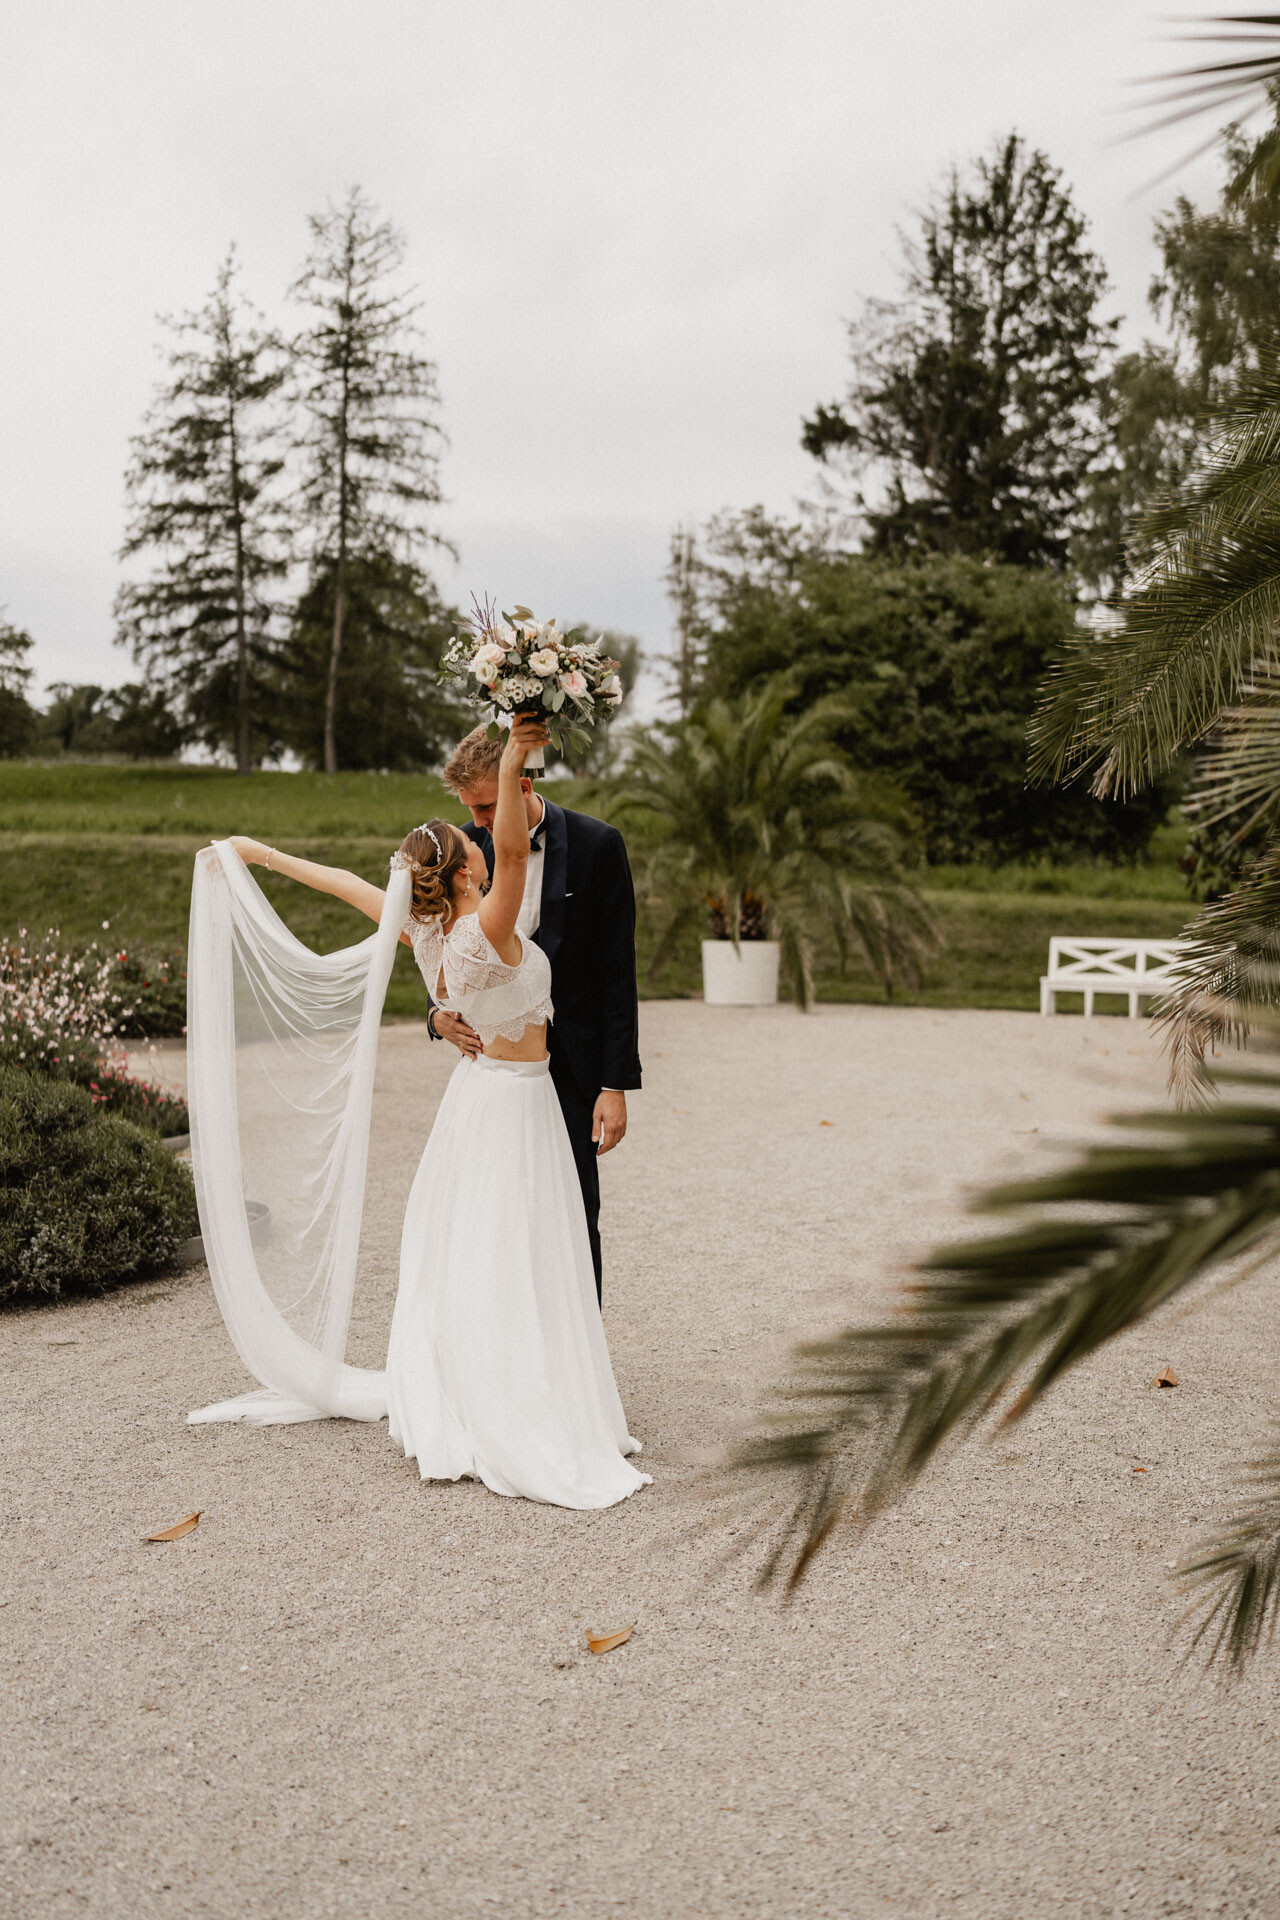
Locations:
{"points": [[282, 1044]]}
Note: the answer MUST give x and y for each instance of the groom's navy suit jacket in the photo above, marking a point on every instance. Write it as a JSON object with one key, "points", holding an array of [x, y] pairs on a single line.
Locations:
{"points": [[587, 929]]}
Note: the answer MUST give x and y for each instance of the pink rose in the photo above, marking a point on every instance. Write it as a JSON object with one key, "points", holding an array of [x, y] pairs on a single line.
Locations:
{"points": [[574, 683]]}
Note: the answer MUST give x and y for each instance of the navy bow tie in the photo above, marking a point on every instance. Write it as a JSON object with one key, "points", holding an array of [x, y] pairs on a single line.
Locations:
{"points": [[535, 840]]}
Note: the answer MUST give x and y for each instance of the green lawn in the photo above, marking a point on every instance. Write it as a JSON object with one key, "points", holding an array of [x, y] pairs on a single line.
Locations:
{"points": [[80, 844]]}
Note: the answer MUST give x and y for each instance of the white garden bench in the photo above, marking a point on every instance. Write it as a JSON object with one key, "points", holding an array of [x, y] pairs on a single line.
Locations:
{"points": [[1139, 969]]}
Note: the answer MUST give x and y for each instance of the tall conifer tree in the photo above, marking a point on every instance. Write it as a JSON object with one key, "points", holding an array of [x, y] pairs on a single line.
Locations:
{"points": [[17, 716], [972, 420], [371, 438], [204, 502]]}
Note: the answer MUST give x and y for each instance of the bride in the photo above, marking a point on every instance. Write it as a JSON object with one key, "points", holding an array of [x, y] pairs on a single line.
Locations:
{"points": [[497, 1367]]}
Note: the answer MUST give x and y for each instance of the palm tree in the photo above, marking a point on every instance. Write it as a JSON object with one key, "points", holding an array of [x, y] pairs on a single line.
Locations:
{"points": [[760, 827], [1195, 664]]}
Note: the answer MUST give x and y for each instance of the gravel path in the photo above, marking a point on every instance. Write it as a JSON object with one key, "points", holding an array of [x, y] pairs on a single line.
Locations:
{"points": [[346, 1694]]}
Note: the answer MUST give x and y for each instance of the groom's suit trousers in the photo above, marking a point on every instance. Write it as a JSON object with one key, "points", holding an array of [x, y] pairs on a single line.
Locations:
{"points": [[579, 1116]]}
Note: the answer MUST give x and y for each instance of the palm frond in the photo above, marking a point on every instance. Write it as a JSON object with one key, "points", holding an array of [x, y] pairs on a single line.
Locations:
{"points": [[993, 1323], [1237, 85], [1198, 628], [1238, 775], [1228, 976], [1241, 1569], [673, 927]]}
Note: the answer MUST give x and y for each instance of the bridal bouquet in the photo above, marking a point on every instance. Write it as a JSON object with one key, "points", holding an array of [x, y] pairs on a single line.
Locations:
{"points": [[514, 664]]}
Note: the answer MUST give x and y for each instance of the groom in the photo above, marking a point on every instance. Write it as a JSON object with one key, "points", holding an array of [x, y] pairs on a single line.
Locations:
{"points": [[580, 908]]}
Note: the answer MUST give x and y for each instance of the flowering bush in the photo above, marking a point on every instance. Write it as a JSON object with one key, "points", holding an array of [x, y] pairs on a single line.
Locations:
{"points": [[148, 992], [60, 1012], [49, 993], [87, 1202]]}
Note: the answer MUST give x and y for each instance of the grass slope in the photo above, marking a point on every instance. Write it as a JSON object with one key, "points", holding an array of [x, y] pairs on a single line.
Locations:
{"points": [[80, 844]]}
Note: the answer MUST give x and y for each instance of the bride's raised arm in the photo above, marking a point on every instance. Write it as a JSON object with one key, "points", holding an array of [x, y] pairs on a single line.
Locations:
{"points": [[358, 893], [510, 832]]}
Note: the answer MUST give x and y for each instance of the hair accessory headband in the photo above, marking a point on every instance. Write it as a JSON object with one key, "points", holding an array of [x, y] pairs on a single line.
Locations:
{"points": [[399, 860]]}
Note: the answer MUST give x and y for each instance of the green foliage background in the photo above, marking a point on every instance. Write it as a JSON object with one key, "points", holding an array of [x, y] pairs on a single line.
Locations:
{"points": [[96, 843], [940, 661]]}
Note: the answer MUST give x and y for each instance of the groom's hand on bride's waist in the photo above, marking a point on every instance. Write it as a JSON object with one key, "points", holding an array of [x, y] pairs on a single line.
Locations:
{"points": [[453, 1028]]}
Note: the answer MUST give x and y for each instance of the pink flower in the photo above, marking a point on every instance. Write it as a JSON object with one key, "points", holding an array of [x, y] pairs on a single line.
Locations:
{"points": [[574, 683]]}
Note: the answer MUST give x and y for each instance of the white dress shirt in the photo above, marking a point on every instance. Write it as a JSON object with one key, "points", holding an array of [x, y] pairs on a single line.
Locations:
{"points": [[529, 917]]}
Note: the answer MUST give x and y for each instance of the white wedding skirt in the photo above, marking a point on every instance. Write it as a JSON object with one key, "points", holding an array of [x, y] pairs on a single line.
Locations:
{"points": [[497, 1368]]}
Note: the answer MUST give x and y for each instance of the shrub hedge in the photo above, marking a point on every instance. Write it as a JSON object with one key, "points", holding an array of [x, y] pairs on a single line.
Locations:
{"points": [[107, 1082], [88, 1201]]}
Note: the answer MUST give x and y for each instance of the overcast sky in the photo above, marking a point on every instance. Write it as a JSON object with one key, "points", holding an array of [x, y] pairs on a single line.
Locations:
{"points": [[638, 227]]}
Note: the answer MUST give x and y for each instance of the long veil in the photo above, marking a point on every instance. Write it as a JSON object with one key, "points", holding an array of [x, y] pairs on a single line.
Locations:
{"points": [[281, 1046]]}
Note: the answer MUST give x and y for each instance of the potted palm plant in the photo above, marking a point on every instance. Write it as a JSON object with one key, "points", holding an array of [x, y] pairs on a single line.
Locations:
{"points": [[757, 827]]}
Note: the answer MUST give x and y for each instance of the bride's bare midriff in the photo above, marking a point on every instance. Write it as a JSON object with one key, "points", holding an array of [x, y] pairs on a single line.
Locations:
{"points": [[532, 1044]]}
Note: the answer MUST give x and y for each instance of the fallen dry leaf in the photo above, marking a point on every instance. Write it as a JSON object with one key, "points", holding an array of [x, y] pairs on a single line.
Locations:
{"points": [[175, 1532], [1166, 1379], [1140, 1469], [605, 1642], [826, 1123]]}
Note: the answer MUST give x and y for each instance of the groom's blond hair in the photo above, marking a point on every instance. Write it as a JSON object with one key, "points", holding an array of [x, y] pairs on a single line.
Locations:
{"points": [[474, 759]]}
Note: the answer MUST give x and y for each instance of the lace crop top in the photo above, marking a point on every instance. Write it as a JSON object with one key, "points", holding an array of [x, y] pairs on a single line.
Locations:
{"points": [[491, 996]]}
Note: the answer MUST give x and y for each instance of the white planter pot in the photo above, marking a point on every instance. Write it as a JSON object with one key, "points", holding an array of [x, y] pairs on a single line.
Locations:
{"points": [[191, 1252], [745, 976]]}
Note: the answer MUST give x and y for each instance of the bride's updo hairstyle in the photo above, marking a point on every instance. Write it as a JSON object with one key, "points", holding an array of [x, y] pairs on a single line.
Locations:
{"points": [[434, 871]]}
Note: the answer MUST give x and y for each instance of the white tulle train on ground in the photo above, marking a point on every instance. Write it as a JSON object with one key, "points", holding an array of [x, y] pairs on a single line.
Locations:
{"points": [[497, 1367]]}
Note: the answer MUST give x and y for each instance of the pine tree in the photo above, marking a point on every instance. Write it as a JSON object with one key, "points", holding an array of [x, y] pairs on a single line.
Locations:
{"points": [[681, 580], [204, 499], [17, 715], [975, 396], [371, 442], [393, 712]]}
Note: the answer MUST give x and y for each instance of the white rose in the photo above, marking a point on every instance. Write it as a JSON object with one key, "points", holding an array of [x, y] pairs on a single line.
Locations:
{"points": [[504, 637], [485, 662], [544, 662], [610, 691]]}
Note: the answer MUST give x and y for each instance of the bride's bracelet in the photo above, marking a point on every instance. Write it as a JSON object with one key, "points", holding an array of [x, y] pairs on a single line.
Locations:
{"points": [[270, 851]]}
